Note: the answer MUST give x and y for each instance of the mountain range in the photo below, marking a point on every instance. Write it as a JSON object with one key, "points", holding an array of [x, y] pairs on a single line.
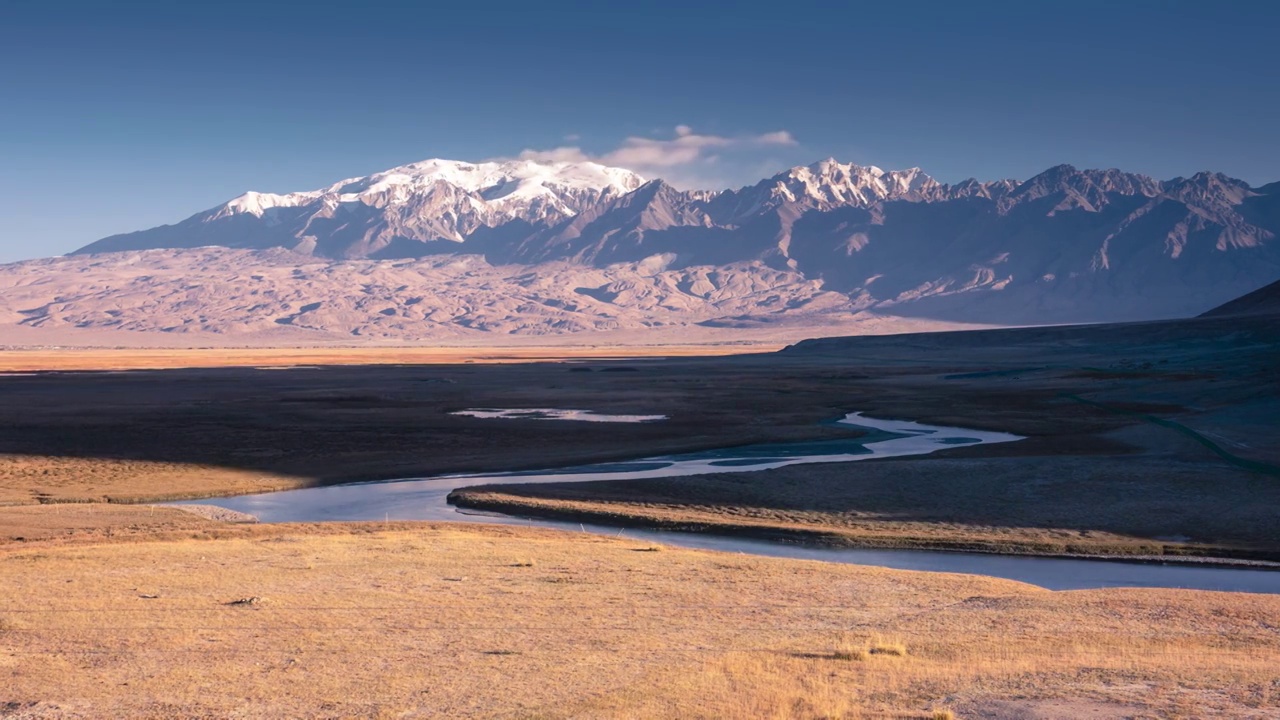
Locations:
{"points": [[445, 240]]}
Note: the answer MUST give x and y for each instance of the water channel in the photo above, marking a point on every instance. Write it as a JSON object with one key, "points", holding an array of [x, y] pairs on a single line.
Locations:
{"points": [[427, 499]]}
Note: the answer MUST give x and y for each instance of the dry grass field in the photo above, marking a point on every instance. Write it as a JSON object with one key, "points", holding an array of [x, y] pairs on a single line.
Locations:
{"points": [[191, 618], [54, 479]]}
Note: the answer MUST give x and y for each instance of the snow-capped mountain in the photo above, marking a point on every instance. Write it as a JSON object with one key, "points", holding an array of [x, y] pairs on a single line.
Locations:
{"points": [[829, 184], [825, 185], [405, 211], [1067, 245], [498, 191], [387, 213]]}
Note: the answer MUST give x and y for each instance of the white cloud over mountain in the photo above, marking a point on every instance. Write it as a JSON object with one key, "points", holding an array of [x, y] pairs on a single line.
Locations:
{"points": [[689, 159]]}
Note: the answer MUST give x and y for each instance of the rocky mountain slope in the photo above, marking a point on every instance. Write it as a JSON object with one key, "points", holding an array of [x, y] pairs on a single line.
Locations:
{"points": [[529, 248], [221, 295], [1263, 301]]}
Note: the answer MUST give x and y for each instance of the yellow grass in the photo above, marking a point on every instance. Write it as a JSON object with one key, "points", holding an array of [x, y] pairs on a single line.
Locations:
{"points": [[881, 646], [38, 478], [848, 649], [467, 621]]}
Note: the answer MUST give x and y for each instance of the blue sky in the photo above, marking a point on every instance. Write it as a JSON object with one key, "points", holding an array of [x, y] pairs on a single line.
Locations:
{"points": [[116, 116]]}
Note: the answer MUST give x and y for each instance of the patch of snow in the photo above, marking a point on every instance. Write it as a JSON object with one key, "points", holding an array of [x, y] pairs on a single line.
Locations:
{"points": [[556, 414]]}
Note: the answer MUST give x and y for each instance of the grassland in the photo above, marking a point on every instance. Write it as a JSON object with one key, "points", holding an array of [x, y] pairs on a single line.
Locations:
{"points": [[1154, 439], [395, 620]]}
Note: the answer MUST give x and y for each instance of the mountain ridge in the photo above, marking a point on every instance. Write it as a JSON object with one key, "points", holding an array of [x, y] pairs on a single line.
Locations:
{"points": [[1064, 246], [443, 200], [1263, 301], [430, 201]]}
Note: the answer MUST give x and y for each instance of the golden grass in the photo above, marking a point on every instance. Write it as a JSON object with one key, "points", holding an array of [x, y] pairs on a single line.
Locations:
{"points": [[893, 648], [36, 360], [847, 649], [452, 621], [26, 479], [93, 522]]}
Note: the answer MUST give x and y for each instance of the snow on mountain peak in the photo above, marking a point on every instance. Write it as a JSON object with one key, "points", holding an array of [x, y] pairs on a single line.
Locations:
{"points": [[830, 182], [256, 203], [561, 187], [432, 200], [528, 176]]}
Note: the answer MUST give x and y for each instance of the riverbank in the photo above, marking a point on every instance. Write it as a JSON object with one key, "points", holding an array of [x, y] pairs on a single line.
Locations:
{"points": [[824, 532], [1152, 502], [383, 620], [798, 492]]}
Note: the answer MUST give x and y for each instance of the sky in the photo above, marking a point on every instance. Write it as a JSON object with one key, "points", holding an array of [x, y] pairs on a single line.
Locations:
{"points": [[126, 114]]}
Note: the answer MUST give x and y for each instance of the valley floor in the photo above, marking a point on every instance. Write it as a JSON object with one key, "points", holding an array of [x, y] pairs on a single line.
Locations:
{"points": [[1156, 439], [1152, 439]]}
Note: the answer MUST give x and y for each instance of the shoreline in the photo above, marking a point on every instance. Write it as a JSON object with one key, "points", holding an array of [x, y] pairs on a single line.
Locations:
{"points": [[820, 538], [816, 537]]}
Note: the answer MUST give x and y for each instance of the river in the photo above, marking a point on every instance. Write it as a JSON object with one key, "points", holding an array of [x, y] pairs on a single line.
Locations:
{"points": [[427, 499]]}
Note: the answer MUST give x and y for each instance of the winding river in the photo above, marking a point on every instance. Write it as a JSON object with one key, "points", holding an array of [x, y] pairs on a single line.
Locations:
{"points": [[427, 499]]}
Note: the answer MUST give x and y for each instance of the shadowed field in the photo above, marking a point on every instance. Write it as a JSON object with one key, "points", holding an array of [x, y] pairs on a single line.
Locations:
{"points": [[146, 435], [403, 620], [1159, 438]]}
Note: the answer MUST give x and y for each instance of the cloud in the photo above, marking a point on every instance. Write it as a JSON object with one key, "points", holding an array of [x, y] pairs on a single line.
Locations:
{"points": [[560, 154], [689, 159], [781, 137]]}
